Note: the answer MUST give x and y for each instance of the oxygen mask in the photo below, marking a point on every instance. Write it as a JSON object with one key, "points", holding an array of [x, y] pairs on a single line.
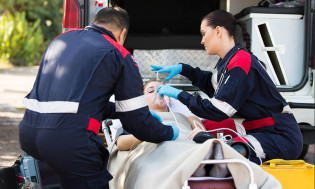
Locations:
{"points": [[157, 98]]}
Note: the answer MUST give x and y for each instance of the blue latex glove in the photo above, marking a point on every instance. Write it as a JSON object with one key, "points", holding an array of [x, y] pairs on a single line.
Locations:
{"points": [[172, 70], [175, 131], [168, 91], [156, 116]]}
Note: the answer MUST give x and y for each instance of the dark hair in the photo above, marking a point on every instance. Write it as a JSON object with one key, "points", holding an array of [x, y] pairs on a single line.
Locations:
{"points": [[116, 16], [225, 19]]}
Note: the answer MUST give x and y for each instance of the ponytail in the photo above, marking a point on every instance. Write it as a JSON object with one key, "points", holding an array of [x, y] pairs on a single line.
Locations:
{"points": [[246, 36]]}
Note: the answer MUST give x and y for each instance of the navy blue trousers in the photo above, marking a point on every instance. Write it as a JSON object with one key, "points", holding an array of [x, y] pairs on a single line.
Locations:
{"points": [[281, 141], [78, 156]]}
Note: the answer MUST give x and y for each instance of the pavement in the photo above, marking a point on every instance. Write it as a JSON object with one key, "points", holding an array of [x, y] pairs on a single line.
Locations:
{"points": [[15, 84]]}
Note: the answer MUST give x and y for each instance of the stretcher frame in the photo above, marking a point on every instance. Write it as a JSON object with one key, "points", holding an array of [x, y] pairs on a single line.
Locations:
{"points": [[252, 184]]}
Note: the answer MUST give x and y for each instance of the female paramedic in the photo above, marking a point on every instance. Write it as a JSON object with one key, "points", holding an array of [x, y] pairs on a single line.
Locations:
{"points": [[239, 86]]}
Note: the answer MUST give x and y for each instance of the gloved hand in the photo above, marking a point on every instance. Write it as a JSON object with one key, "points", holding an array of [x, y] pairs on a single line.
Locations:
{"points": [[175, 130], [156, 115], [172, 70], [168, 91]]}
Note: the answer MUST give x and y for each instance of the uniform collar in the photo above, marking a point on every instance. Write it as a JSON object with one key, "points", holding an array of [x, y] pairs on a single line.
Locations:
{"points": [[101, 30], [222, 62]]}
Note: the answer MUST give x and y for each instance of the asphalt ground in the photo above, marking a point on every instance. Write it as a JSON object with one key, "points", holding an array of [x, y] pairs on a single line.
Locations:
{"points": [[15, 83]]}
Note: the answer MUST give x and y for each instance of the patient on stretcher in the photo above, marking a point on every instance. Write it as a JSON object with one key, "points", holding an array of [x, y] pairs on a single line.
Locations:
{"points": [[160, 105], [171, 163]]}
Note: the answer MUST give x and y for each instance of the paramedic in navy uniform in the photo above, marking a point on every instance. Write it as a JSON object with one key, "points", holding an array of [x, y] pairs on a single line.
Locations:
{"points": [[80, 70], [239, 86]]}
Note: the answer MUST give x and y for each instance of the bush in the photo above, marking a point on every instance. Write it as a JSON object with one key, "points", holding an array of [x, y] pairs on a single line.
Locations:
{"points": [[21, 42], [27, 26], [48, 11]]}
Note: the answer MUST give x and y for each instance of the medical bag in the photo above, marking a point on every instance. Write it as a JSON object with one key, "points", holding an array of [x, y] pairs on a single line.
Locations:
{"points": [[27, 172], [291, 173]]}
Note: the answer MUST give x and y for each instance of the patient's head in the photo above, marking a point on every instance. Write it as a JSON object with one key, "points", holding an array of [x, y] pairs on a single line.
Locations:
{"points": [[149, 90]]}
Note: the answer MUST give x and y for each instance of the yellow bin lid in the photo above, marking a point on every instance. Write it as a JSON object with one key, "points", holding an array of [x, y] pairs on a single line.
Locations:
{"points": [[293, 174]]}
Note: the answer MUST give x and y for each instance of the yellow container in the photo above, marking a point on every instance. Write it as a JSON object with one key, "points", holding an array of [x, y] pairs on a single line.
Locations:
{"points": [[295, 174]]}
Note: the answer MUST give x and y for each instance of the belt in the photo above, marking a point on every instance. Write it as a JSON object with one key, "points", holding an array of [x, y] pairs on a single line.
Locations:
{"points": [[256, 124], [94, 125]]}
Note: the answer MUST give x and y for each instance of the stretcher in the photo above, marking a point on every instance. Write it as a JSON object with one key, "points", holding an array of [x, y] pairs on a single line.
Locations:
{"points": [[172, 164], [280, 173]]}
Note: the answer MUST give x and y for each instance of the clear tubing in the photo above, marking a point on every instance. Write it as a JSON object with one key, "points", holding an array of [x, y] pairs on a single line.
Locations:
{"points": [[196, 123], [240, 137]]}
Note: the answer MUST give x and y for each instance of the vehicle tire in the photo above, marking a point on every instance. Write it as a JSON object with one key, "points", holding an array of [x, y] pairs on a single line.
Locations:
{"points": [[304, 151]]}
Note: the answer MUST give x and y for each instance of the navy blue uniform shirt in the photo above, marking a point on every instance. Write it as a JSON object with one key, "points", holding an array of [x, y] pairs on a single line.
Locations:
{"points": [[79, 72]]}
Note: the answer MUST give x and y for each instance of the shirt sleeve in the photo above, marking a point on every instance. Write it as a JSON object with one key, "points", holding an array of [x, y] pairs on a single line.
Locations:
{"points": [[109, 111], [131, 105], [198, 78]]}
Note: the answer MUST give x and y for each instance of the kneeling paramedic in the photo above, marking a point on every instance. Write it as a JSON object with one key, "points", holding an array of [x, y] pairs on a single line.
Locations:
{"points": [[80, 70], [238, 86]]}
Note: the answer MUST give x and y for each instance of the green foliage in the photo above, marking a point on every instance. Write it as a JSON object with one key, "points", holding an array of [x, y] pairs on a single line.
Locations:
{"points": [[26, 27], [48, 11], [21, 42]]}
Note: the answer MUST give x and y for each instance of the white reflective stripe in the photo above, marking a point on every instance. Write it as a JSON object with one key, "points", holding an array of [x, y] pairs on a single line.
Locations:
{"points": [[223, 106], [51, 106], [214, 79], [287, 110], [256, 144], [239, 127], [131, 104]]}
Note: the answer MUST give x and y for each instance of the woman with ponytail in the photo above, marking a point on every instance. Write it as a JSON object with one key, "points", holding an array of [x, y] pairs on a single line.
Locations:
{"points": [[240, 87]]}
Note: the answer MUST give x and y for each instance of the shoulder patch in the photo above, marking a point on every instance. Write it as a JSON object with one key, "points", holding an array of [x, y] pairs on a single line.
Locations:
{"points": [[241, 59], [121, 49]]}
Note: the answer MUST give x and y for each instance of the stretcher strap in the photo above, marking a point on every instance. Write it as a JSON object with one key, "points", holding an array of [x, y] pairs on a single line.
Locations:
{"points": [[94, 125], [256, 124]]}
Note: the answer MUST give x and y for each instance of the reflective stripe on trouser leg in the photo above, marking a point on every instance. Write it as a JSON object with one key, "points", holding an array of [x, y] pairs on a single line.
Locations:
{"points": [[239, 127], [257, 146]]}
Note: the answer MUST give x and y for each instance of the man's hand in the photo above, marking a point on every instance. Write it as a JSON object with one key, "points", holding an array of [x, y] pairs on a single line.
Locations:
{"points": [[175, 130], [156, 115]]}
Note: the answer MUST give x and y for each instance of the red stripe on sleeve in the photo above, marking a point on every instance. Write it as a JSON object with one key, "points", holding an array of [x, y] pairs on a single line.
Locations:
{"points": [[121, 49]]}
